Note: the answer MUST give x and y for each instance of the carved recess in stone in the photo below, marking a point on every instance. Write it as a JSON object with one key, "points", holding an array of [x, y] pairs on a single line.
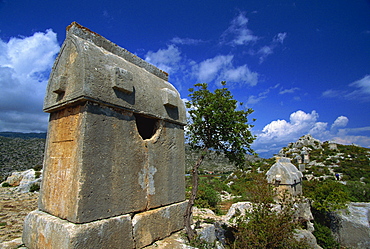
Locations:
{"points": [[123, 80]]}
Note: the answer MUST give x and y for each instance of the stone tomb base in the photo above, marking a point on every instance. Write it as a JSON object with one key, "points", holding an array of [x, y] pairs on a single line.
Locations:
{"points": [[42, 230]]}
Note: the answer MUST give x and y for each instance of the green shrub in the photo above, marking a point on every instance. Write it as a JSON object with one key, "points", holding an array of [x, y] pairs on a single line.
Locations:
{"points": [[5, 185], [265, 227], [358, 191], [324, 236], [327, 195], [37, 167], [34, 187], [207, 197], [37, 174]]}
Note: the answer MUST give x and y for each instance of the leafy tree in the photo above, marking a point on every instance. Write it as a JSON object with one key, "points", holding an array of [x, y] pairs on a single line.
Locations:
{"points": [[216, 124]]}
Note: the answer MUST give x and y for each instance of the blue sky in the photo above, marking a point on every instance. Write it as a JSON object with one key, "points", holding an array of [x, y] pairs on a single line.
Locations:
{"points": [[303, 66]]}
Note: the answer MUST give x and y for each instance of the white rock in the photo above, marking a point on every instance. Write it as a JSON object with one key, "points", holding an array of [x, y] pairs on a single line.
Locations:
{"points": [[352, 227]]}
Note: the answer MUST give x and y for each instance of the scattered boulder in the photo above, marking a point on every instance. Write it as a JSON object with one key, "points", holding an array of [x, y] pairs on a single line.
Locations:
{"points": [[207, 232], [351, 226], [15, 243], [14, 179], [239, 208], [306, 235], [25, 181], [304, 214]]}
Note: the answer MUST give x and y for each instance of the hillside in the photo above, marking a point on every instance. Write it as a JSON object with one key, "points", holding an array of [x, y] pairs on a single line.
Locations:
{"points": [[21, 151], [17, 154], [321, 160], [22, 135]]}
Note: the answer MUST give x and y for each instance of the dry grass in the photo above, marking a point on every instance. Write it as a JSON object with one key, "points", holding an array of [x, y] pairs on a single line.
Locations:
{"points": [[14, 207]]}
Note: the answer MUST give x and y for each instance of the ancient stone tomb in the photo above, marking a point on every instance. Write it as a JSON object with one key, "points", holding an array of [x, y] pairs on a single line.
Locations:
{"points": [[285, 176], [114, 158]]}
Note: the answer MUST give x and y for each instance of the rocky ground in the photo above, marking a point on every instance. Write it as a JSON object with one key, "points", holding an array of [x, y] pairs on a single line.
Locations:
{"points": [[14, 206]]}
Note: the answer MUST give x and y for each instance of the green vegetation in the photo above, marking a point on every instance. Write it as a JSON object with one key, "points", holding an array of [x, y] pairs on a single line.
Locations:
{"points": [[324, 236], [216, 125], [5, 185], [262, 227], [35, 187], [326, 195], [358, 191]]}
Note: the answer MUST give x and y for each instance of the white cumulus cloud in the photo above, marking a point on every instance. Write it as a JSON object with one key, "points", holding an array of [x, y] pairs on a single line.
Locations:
{"points": [[267, 50], [238, 33], [221, 68], [165, 59], [279, 133], [25, 64], [362, 91], [341, 121], [209, 69], [282, 130]]}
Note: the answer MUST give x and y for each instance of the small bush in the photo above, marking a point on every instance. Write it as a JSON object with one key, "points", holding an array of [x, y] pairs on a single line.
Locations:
{"points": [[5, 185], [37, 167], [34, 187], [324, 236], [265, 227], [207, 197], [37, 174]]}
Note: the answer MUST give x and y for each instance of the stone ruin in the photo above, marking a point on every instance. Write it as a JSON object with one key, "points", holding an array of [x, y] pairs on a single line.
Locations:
{"points": [[114, 158], [285, 176]]}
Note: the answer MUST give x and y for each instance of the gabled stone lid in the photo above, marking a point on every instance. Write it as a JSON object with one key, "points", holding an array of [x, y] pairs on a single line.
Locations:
{"points": [[91, 68], [284, 172], [86, 34]]}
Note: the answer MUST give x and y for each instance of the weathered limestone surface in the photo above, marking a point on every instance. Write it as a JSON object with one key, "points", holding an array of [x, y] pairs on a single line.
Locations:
{"points": [[110, 165], [115, 144], [157, 224], [351, 226], [285, 176], [84, 70], [43, 230]]}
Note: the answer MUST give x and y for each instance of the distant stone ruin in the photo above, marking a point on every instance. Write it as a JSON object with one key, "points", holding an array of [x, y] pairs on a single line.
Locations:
{"points": [[285, 176], [114, 158]]}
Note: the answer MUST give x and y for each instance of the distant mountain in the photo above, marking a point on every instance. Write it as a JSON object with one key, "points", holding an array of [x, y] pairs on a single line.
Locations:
{"points": [[23, 135], [20, 153]]}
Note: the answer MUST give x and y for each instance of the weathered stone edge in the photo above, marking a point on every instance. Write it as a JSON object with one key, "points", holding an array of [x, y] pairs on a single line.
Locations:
{"points": [[126, 231], [85, 33]]}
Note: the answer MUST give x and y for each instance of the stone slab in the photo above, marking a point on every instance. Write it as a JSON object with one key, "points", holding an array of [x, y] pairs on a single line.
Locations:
{"points": [[158, 223], [351, 226], [100, 41], [42, 230], [98, 166], [89, 67]]}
